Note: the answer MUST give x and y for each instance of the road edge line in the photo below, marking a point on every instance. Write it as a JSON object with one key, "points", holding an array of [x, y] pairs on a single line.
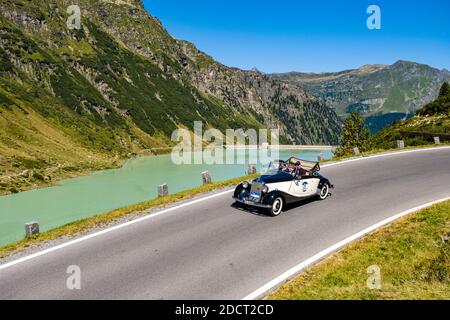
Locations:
{"points": [[289, 274], [381, 155]]}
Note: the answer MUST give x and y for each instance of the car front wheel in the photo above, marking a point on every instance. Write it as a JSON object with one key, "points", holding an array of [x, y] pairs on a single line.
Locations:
{"points": [[277, 207], [324, 191]]}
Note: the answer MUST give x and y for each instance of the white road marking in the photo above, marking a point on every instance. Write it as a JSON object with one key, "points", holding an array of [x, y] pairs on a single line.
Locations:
{"points": [[326, 252], [120, 226], [381, 155]]}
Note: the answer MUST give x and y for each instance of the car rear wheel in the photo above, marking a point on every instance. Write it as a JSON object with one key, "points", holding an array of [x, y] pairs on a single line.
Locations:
{"points": [[277, 207], [324, 191]]}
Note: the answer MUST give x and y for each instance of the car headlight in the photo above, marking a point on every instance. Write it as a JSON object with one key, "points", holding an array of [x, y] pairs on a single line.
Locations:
{"points": [[265, 189], [245, 184]]}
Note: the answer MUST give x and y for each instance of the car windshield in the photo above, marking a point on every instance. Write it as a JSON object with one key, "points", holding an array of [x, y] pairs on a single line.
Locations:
{"points": [[276, 166], [294, 166]]}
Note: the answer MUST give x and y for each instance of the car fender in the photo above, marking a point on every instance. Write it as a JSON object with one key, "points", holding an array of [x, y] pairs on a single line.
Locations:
{"points": [[323, 181], [238, 191], [269, 197]]}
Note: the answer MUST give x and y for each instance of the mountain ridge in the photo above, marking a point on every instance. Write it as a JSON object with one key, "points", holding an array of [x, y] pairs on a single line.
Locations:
{"points": [[382, 93]]}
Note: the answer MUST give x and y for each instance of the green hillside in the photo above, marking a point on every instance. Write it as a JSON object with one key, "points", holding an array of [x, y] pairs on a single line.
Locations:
{"points": [[439, 106], [431, 120]]}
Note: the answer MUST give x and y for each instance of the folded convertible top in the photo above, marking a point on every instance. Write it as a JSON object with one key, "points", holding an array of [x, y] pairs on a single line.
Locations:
{"points": [[307, 165]]}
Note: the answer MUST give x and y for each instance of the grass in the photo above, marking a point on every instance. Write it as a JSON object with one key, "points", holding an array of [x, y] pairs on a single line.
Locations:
{"points": [[395, 101], [413, 259], [76, 228]]}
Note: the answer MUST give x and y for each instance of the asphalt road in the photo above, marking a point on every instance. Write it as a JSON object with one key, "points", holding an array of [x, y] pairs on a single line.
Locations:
{"points": [[210, 250]]}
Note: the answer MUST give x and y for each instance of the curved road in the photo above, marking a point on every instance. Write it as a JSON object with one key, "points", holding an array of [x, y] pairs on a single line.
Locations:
{"points": [[210, 250]]}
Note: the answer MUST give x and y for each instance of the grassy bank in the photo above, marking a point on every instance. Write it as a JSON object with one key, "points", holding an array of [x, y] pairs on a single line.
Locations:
{"points": [[413, 259], [75, 228]]}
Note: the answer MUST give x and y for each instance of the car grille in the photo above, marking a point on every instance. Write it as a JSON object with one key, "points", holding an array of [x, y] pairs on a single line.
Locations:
{"points": [[257, 187], [256, 192]]}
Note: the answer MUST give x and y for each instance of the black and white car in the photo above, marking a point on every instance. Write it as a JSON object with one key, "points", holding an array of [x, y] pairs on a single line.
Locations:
{"points": [[285, 182]]}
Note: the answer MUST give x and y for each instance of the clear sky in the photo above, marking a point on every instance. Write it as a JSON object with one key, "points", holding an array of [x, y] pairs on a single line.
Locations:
{"points": [[310, 35]]}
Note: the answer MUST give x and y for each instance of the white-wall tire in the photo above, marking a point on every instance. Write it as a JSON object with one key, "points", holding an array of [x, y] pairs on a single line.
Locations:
{"points": [[277, 207], [324, 191]]}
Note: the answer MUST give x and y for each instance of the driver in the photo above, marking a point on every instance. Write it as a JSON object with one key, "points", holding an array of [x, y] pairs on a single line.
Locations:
{"points": [[282, 166]]}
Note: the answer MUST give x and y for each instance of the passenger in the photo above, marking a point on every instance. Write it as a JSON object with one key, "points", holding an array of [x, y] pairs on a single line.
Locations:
{"points": [[291, 168], [299, 170]]}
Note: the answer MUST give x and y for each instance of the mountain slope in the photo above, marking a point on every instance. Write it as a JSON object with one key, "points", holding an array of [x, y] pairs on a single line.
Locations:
{"points": [[382, 93], [74, 100], [431, 120]]}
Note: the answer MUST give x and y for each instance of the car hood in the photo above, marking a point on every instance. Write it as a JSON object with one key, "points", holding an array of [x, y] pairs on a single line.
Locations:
{"points": [[280, 176]]}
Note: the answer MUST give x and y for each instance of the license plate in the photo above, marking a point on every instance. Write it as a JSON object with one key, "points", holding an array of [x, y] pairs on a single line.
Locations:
{"points": [[255, 195]]}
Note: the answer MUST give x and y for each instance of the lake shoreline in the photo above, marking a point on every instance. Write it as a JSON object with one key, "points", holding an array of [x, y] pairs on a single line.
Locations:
{"points": [[66, 175]]}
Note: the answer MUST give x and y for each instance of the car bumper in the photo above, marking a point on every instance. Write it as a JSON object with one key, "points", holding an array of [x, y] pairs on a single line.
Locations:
{"points": [[251, 203]]}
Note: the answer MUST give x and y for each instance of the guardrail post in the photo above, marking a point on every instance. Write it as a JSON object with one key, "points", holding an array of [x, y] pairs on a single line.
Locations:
{"points": [[163, 190], [31, 229], [251, 169], [206, 177], [400, 144], [355, 151], [437, 140]]}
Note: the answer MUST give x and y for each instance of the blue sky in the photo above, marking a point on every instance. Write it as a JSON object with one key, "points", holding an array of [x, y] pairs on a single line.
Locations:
{"points": [[309, 36]]}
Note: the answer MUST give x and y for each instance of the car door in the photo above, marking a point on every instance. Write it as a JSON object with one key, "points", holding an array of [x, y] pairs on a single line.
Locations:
{"points": [[305, 187], [285, 186]]}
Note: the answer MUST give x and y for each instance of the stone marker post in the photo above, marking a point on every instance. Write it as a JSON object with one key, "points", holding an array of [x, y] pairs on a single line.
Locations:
{"points": [[320, 158], [437, 140], [400, 144], [163, 190], [31, 228], [206, 177], [251, 169], [355, 151]]}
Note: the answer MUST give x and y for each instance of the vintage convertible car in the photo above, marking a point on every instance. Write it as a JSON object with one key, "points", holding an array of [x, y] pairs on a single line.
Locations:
{"points": [[285, 182]]}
